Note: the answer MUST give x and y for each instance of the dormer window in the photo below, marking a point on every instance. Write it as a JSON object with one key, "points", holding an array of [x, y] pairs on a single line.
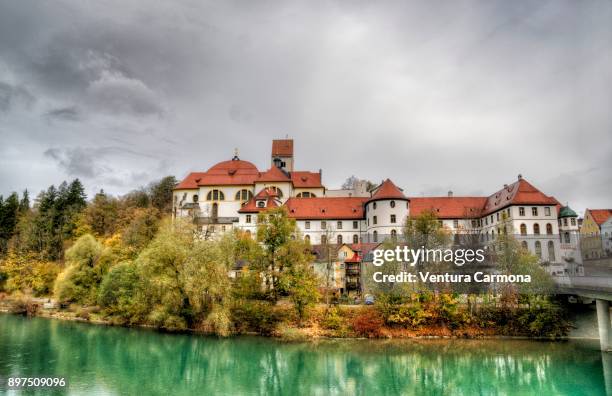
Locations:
{"points": [[261, 204]]}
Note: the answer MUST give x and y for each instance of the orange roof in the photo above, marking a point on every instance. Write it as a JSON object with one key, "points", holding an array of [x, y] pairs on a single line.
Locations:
{"points": [[190, 182], [388, 190], [363, 247], [520, 192], [354, 259], [251, 206], [273, 174], [600, 215], [306, 179], [326, 208], [448, 207], [282, 147], [233, 172]]}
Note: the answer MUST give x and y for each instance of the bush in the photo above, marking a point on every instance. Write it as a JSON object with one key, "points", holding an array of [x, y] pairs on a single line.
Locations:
{"points": [[332, 320], [546, 320], [368, 323], [219, 320], [413, 315], [448, 311], [258, 316]]}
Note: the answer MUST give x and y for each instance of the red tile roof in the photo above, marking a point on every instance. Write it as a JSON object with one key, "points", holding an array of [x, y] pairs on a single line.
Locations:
{"points": [[388, 190], [282, 147], [273, 174], [233, 172], [600, 215], [448, 207], [251, 206], [306, 179], [190, 182], [363, 247], [353, 259], [326, 208], [520, 192]]}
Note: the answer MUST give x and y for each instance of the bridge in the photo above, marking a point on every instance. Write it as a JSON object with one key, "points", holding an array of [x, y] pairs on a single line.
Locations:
{"points": [[595, 284]]}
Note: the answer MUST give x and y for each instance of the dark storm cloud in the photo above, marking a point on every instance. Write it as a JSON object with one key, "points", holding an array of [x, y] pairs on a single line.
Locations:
{"points": [[438, 96], [71, 113]]}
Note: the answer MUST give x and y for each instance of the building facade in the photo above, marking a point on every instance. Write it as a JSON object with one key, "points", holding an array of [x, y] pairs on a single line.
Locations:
{"points": [[592, 233], [231, 193]]}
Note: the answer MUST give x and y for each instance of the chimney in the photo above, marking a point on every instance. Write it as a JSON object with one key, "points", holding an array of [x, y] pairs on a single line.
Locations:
{"points": [[520, 176], [450, 193], [505, 186]]}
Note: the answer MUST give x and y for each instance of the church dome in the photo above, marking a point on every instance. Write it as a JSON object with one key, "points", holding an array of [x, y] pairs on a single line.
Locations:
{"points": [[566, 211], [232, 165]]}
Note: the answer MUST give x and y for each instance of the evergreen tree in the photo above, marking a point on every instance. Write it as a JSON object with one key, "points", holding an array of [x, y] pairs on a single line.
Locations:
{"points": [[24, 204], [9, 211], [161, 193]]}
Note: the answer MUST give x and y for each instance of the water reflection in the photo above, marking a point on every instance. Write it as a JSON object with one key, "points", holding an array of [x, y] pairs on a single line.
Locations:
{"points": [[103, 360]]}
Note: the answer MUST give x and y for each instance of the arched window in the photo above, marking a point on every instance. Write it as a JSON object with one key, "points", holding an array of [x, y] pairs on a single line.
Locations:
{"points": [[392, 203], [551, 251], [307, 238], [523, 229], [244, 195], [538, 249], [323, 239], [524, 245], [549, 229], [306, 194], [195, 198], [277, 190], [374, 205], [355, 238], [492, 235], [536, 229], [215, 195], [394, 235], [375, 236], [374, 220], [339, 239], [567, 237]]}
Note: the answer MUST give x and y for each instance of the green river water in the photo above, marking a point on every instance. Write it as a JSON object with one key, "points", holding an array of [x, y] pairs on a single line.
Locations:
{"points": [[100, 360]]}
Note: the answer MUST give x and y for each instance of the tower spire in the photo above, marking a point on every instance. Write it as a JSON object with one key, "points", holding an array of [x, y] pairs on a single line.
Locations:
{"points": [[235, 154]]}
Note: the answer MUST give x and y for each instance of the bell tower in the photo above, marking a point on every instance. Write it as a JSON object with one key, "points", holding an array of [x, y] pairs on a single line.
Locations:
{"points": [[282, 154]]}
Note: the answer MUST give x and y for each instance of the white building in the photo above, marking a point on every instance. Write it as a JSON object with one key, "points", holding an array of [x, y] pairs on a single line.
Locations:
{"points": [[231, 194]]}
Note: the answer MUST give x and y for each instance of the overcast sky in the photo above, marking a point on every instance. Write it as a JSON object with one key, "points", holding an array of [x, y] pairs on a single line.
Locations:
{"points": [[436, 95]]}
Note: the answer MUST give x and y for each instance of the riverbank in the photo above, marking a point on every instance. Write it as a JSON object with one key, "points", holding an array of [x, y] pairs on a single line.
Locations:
{"points": [[278, 321]]}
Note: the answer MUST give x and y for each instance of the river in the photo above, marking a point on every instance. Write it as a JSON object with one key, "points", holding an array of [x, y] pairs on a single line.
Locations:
{"points": [[101, 360]]}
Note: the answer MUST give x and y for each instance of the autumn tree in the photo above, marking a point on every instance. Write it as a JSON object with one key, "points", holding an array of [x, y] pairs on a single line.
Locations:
{"points": [[274, 230], [87, 262], [184, 279], [352, 181], [102, 214]]}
